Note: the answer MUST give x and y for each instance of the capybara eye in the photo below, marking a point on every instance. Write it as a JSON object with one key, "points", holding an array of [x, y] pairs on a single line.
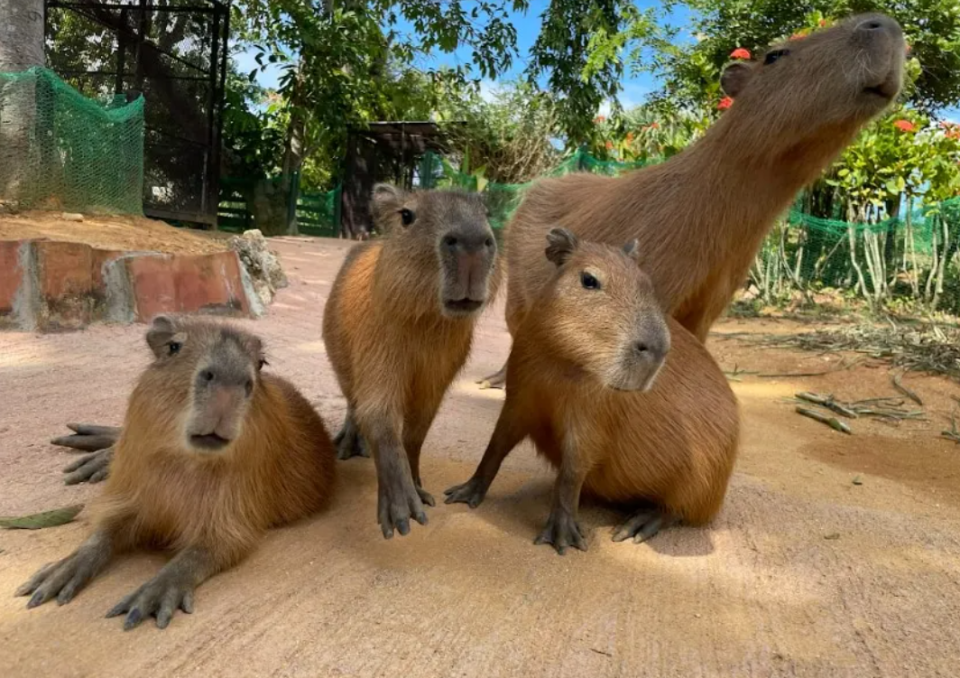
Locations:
{"points": [[406, 216], [173, 347], [450, 241], [589, 282], [774, 55], [262, 363]]}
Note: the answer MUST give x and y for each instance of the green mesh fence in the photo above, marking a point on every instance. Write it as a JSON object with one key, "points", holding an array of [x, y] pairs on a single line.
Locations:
{"points": [[60, 150]]}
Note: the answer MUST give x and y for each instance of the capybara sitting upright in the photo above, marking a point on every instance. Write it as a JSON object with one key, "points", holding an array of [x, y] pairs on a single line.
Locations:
{"points": [[701, 216], [212, 453], [398, 327], [583, 384]]}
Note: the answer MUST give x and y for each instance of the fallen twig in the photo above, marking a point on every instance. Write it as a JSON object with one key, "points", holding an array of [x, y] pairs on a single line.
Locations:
{"points": [[906, 391], [832, 422]]}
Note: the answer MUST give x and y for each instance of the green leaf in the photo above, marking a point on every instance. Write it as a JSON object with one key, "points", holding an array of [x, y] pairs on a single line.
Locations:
{"points": [[37, 521]]}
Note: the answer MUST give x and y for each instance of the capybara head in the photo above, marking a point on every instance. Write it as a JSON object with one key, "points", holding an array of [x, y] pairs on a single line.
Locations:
{"points": [[826, 84], [446, 236], [207, 373], [601, 312]]}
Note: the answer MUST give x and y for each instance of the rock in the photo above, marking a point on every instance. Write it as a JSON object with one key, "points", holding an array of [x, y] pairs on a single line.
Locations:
{"points": [[71, 216], [261, 263]]}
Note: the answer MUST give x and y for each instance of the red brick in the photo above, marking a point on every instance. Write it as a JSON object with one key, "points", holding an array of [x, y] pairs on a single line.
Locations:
{"points": [[153, 283], [210, 282]]}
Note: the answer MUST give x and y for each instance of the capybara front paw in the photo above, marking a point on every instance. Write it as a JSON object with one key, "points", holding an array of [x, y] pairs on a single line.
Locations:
{"points": [[396, 505], [470, 493], [160, 597], [562, 531], [425, 496], [61, 579], [91, 468], [350, 444], [644, 524]]}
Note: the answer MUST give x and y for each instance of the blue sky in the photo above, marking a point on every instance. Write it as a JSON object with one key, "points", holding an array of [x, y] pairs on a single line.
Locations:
{"points": [[635, 88]]}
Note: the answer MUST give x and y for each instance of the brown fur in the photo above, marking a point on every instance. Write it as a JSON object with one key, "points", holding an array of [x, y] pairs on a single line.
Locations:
{"points": [[673, 446], [701, 216], [394, 349], [210, 506]]}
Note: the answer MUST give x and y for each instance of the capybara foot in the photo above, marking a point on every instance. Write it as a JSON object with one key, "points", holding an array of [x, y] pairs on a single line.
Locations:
{"points": [[496, 380], [160, 597], [644, 524], [562, 531], [425, 496], [91, 468], [350, 443], [470, 493], [399, 501], [89, 437]]}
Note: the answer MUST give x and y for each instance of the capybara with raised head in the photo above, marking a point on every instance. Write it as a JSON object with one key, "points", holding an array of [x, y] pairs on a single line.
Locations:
{"points": [[585, 383], [398, 326], [212, 453], [701, 216]]}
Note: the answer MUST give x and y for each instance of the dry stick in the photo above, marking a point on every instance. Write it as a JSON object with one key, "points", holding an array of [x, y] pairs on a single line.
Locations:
{"points": [[832, 422], [828, 402], [906, 391]]}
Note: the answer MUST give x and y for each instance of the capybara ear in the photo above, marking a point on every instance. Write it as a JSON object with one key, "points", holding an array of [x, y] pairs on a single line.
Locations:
{"points": [[632, 249], [162, 329], [386, 198], [560, 245], [735, 77]]}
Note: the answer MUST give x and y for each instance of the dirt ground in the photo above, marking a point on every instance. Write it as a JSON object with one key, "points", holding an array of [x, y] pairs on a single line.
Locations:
{"points": [[804, 573], [111, 233]]}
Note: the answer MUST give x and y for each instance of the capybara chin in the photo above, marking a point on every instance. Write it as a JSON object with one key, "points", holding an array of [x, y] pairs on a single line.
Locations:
{"points": [[664, 447], [397, 328], [701, 216], [212, 453]]}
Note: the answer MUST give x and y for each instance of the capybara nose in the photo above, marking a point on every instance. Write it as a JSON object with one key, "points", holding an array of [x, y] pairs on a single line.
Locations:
{"points": [[873, 24], [463, 243]]}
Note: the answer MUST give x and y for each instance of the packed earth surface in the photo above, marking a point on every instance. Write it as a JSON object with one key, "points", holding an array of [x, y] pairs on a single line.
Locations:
{"points": [[835, 555]]}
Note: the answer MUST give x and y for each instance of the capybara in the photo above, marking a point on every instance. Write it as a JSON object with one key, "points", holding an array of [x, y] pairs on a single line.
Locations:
{"points": [[701, 216], [398, 326], [583, 384], [212, 453]]}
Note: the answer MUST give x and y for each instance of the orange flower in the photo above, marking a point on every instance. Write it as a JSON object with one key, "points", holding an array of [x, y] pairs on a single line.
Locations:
{"points": [[609, 145], [599, 119], [823, 22], [909, 48], [953, 134], [629, 137], [905, 126], [740, 53], [725, 103], [654, 125]]}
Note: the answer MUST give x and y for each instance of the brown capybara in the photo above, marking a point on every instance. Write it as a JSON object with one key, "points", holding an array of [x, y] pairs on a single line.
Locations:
{"points": [[397, 328], [701, 216], [212, 453], [583, 384]]}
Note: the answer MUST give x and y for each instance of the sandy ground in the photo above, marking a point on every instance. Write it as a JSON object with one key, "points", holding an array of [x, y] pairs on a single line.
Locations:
{"points": [[111, 233], [804, 573]]}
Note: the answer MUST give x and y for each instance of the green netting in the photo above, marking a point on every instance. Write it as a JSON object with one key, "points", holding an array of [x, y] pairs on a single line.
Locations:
{"points": [[504, 199], [61, 150]]}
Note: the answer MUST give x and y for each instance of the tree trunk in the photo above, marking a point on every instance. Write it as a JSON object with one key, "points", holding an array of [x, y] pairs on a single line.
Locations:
{"points": [[21, 47]]}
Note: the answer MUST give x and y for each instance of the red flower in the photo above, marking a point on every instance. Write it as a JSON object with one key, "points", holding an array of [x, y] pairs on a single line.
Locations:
{"points": [[599, 119], [740, 53], [725, 103], [823, 22], [905, 126], [609, 145]]}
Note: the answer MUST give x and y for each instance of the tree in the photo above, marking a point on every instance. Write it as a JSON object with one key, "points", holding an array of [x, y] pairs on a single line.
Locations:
{"points": [[21, 46], [344, 65]]}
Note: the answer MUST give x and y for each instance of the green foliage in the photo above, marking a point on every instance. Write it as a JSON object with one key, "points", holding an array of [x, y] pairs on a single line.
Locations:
{"points": [[581, 52]]}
